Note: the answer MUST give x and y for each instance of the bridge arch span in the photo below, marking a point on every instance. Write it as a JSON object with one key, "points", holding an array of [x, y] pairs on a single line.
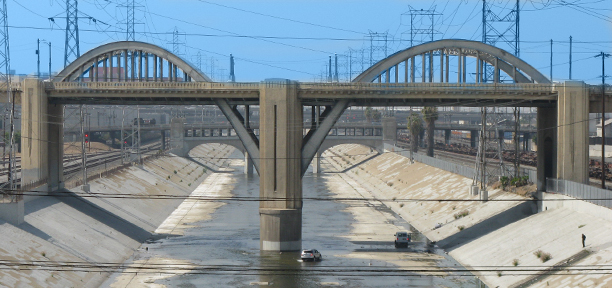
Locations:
{"points": [[230, 141], [376, 144], [115, 57], [514, 67]]}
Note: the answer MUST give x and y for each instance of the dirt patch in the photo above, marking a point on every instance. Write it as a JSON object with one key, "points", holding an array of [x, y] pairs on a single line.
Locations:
{"points": [[75, 147]]}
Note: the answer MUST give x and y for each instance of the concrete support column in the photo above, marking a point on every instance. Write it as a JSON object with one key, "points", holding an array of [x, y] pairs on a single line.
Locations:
{"points": [[34, 133], [55, 116], [573, 132], [473, 135], [316, 163], [547, 147], [163, 140], [389, 126], [177, 137], [447, 136], [248, 164], [280, 155]]}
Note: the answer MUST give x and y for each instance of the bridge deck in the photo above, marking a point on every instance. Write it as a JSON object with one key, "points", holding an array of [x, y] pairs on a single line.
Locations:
{"points": [[397, 94]]}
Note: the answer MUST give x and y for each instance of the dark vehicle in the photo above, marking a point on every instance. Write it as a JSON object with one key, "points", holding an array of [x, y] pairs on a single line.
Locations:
{"points": [[144, 121], [401, 239], [311, 255]]}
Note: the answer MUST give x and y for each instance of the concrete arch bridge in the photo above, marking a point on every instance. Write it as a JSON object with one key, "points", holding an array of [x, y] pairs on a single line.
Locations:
{"points": [[140, 73]]}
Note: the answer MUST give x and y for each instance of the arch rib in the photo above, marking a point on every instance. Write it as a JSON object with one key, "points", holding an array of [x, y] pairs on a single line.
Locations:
{"points": [[89, 60], [483, 51]]}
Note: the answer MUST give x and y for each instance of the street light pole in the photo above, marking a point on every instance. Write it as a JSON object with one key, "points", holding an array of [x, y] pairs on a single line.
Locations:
{"points": [[38, 56], [603, 118], [49, 60]]}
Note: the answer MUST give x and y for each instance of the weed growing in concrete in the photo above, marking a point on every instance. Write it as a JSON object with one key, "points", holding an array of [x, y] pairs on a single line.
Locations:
{"points": [[43, 254], [454, 207], [174, 171], [168, 177], [545, 257], [461, 227], [402, 205], [390, 184], [515, 262], [538, 253], [581, 225], [181, 180], [462, 214], [394, 198], [189, 184], [499, 274]]}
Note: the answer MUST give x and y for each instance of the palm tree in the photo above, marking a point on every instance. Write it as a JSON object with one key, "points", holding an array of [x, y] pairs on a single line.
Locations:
{"points": [[430, 115], [415, 126]]}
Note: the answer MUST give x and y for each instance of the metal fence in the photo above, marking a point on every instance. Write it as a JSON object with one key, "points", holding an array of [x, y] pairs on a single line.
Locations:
{"points": [[597, 196], [463, 170]]}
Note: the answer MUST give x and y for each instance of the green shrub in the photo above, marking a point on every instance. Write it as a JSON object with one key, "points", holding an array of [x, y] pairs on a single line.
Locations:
{"points": [[461, 227], [538, 253], [515, 262], [462, 214], [545, 257]]}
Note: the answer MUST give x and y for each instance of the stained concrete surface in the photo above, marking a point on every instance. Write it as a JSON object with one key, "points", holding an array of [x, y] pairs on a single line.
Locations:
{"points": [[220, 246]]}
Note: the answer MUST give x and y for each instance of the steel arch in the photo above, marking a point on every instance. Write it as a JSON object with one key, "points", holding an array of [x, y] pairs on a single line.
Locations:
{"points": [[88, 60], [525, 73]]}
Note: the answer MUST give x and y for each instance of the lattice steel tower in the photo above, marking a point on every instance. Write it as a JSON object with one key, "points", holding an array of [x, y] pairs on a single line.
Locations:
{"points": [[500, 30], [130, 21], [71, 48], [421, 24], [8, 109]]}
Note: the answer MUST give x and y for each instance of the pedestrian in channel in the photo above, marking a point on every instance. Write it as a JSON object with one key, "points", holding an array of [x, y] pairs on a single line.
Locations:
{"points": [[583, 239]]}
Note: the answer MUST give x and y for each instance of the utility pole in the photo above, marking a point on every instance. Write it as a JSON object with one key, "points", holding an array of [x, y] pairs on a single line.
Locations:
{"points": [[551, 60], [49, 60], [603, 118], [38, 60], [570, 60], [232, 75]]}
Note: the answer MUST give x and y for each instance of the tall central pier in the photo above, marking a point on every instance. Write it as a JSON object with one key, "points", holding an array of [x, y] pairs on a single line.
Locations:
{"points": [[280, 166]]}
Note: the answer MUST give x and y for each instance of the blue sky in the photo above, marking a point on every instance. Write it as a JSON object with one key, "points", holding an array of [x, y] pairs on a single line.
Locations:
{"points": [[215, 28]]}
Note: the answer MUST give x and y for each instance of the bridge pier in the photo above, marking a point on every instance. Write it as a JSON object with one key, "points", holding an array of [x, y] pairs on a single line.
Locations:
{"points": [[316, 163], [473, 136], [42, 157], [447, 136], [248, 164], [177, 137], [573, 132], [280, 167]]}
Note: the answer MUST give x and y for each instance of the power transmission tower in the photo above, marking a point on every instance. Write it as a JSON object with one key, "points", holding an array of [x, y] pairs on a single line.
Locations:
{"points": [[421, 24], [71, 47], [130, 21], [378, 46], [176, 43], [499, 28], [9, 108]]}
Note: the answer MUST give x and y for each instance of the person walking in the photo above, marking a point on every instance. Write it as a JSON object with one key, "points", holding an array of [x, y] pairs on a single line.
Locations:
{"points": [[583, 239]]}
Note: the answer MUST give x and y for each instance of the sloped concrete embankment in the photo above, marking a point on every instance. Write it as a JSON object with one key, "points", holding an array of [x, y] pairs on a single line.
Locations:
{"points": [[490, 236], [106, 226]]}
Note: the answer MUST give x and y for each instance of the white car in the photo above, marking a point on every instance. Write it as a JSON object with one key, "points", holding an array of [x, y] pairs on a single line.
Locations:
{"points": [[311, 255]]}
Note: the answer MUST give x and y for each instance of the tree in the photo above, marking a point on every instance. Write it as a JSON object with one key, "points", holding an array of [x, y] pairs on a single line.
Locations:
{"points": [[415, 126], [368, 114], [430, 115]]}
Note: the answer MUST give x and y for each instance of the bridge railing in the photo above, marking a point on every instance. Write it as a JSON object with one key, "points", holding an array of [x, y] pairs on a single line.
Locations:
{"points": [[528, 87], [150, 85], [595, 195]]}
